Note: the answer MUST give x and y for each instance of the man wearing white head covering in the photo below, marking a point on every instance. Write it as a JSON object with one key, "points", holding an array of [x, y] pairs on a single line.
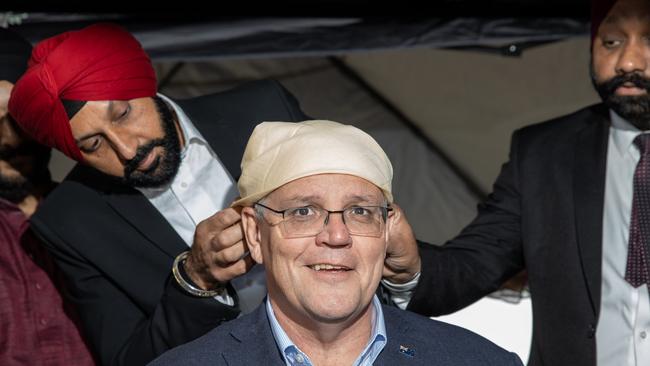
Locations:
{"points": [[316, 212]]}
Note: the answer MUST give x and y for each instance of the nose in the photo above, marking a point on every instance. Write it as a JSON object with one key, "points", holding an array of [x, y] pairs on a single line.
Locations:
{"points": [[335, 233], [633, 58], [8, 134], [124, 144]]}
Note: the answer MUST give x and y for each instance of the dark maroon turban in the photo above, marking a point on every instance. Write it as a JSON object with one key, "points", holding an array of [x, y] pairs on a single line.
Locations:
{"points": [[599, 10], [99, 62]]}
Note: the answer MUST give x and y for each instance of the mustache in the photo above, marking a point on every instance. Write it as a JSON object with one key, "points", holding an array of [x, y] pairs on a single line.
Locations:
{"points": [[635, 79], [131, 165]]}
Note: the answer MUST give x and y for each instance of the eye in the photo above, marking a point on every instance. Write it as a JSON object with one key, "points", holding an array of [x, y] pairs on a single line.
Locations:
{"points": [[301, 212], [124, 113], [611, 42], [359, 211], [91, 145]]}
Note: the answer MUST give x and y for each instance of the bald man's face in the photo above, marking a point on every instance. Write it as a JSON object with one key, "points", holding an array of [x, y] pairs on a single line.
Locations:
{"points": [[136, 140], [621, 61]]}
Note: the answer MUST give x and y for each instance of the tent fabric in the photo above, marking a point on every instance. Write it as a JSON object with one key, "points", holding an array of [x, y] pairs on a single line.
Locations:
{"points": [[437, 201], [204, 39]]}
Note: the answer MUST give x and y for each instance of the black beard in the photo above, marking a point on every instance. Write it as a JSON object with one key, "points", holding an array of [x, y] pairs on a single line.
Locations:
{"points": [[165, 167], [16, 189], [633, 108]]}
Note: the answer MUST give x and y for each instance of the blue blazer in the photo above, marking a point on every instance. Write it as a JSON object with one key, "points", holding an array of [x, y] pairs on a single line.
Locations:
{"points": [[412, 340]]}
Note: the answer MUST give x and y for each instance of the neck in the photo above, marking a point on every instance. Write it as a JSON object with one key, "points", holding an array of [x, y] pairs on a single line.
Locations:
{"points": [[336, 343], [29, 204], [179, 130]]}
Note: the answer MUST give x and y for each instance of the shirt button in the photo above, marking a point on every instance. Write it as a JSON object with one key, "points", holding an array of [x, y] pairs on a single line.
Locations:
{"points": [[643, 334], [299, 358], [38, 286], [184, 185], [43, 321]]}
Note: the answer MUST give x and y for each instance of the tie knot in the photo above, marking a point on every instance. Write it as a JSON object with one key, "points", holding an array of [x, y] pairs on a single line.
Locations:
{"points": [[642, 141]]}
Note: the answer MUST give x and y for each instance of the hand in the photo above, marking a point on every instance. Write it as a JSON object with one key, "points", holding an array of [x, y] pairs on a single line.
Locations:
{"points": [[219, 252], [402, 258]]}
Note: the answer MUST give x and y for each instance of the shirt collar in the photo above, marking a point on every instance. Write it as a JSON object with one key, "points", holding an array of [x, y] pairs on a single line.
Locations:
{"points": [[623, 134], [190, 133], [376, 342]]}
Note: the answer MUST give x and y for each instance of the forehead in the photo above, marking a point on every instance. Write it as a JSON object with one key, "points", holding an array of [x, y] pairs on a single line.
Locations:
{"points": [[323, 188]]}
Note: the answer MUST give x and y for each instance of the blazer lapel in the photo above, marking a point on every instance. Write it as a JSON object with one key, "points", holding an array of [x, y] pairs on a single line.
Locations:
{"points": [[589, 193], [254, 343], [402, 346], [135, 208]]}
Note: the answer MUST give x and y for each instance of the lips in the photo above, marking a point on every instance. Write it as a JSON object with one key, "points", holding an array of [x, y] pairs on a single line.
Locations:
{"points": [[146, 163], [328, 267], [630, 89]]}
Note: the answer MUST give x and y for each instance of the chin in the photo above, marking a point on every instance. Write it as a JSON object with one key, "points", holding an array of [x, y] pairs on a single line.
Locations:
{"points": [[332, 307]]}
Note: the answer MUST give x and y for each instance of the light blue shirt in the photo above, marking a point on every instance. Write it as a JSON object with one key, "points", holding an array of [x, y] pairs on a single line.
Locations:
{"points": [[293, 356], [623, 331]]}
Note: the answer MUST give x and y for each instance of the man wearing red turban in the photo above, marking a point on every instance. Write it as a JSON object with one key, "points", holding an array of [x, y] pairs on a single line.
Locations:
{"points": [[572, 207], [133, 226]]}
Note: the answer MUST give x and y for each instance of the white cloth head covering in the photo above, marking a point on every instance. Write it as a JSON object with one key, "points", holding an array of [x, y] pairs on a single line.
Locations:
{"points": [[280, 152]]}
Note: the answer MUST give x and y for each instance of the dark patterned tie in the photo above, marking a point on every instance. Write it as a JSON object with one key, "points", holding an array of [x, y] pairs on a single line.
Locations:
{"points": [[636, 272]]}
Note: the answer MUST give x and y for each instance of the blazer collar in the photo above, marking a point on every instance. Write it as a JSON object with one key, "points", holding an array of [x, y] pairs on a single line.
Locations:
{"points": [[590, 166], [222, 135], [145, 218], [254, 341]]}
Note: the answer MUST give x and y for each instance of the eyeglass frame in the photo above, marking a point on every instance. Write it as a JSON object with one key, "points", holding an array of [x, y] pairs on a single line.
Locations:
{"points": [[385, 211]]}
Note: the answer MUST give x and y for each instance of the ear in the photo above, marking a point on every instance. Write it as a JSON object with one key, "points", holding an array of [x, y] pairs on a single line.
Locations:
{"points": [[252, 233]]}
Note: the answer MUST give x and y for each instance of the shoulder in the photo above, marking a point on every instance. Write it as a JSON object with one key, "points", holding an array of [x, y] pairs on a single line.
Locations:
{"points": [[438, 340], [204, 350], [78, 199], [566, 125], [253, 95], [209, 348]]}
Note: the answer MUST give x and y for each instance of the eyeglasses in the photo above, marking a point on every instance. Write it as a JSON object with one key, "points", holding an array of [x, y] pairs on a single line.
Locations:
{"points": [[305, 221]]}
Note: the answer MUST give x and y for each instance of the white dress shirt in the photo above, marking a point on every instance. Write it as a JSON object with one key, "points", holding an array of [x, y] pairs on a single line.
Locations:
{"points": [[201, 187], [623, 331]]}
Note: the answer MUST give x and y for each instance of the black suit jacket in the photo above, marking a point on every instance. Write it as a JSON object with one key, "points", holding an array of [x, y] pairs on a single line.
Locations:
{"points": [[249, 341], [116, 249], [545, 215]]}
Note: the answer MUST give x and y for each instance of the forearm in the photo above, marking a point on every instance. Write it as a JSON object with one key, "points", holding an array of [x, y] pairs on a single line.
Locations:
{"points": [[177, 319]]}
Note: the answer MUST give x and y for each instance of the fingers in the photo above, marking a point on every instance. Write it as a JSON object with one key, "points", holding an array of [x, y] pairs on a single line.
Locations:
{"points": [[235, 269], [230, 255], [218, 222], [219, 250]]}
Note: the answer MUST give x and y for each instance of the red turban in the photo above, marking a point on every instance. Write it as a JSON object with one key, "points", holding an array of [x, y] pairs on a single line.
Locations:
{"points": [[599, 10], [99, 62]]}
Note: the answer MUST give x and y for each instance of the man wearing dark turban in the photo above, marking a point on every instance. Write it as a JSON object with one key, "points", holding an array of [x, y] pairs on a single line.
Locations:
{"points": [[133, 226], [37, 326], [572, 207]]}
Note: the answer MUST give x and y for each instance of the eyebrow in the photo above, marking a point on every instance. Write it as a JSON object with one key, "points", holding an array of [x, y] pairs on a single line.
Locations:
{"points": [[84, 137], [356, 198], [362, 198], [298, 198]]}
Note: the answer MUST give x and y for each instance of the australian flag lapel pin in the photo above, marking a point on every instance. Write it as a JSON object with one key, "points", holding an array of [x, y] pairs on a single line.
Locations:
{"points": [[406, 351]]}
